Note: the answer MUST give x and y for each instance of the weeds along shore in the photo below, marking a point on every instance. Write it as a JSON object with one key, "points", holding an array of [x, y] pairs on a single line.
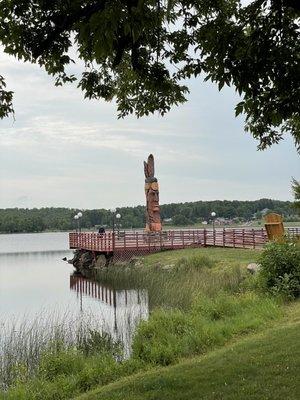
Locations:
{"points": [[176, 285], [26, 341]]}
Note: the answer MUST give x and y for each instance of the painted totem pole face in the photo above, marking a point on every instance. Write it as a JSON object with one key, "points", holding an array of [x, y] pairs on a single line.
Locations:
{"points": [[153, 221]]}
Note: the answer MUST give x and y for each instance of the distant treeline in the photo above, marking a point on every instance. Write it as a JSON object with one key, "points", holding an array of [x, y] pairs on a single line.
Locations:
{"points": [[54, 218]]}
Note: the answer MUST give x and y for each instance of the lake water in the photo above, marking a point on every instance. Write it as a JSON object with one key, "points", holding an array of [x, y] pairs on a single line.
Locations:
{"points": [[34, 280]]}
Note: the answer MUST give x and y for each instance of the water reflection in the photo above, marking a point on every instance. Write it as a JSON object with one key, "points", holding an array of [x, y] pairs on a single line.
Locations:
{"points": [[121, 309], [35, 285]]}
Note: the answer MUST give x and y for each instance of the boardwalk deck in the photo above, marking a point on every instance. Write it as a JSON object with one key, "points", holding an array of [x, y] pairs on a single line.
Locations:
{"points": [[142, 242]]}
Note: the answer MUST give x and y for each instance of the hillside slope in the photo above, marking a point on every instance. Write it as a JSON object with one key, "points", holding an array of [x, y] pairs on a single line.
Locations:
{"points": [[264, 366]]}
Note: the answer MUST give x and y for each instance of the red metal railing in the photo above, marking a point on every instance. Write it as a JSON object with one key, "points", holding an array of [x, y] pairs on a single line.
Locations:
{"points": [[176, 239], [293, 231]]}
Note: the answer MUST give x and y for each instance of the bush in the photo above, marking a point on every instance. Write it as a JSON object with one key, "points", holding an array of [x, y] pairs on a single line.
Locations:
{"points": [[280, 269]]}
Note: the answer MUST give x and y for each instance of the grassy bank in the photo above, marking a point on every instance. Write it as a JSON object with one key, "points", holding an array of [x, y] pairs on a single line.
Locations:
{"points": [[168, 336], [173, 278], [218, 255], [264, 366], [201, 300]]}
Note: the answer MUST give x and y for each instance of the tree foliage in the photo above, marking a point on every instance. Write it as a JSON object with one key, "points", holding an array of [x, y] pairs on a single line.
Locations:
{"points": [[13, 220], [140, 52], [6, 96], [296, 190]]}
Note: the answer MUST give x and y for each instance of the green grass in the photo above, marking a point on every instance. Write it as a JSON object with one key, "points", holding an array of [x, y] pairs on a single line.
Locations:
{"points": [[165, 339], [169, 335], [218, 254], [264, 366], [172, 278]]}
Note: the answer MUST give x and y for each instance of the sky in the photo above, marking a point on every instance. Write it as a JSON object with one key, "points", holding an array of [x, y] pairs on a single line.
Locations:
{"points": [[62, 150]]}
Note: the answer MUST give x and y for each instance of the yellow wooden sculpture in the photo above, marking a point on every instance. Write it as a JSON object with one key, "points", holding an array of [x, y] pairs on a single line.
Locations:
{"points": [[274, 226]]}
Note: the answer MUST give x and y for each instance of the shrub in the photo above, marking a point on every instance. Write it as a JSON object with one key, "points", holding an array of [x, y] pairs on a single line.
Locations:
{"points": [[280, 269]]}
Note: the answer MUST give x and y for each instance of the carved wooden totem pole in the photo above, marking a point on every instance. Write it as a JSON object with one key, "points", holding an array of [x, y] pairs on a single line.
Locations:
{"points": [[153, 221]]}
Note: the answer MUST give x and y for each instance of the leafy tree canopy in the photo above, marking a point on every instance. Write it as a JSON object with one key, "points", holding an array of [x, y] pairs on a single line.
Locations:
{"points": [[139, 52], [50, 218], [296, 190]]}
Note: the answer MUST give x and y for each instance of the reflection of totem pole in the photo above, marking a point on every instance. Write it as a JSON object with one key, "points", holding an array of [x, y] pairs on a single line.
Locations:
{"points": [[153, 222]]}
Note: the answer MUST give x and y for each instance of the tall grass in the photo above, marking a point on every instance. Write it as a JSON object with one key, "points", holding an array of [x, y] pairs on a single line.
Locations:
{"points": [[211, 321], [23, 342], [58, 358], [175, 285]]}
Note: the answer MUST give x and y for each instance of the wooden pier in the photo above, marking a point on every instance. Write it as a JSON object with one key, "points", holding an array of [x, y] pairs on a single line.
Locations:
{"points": [[129, 243]]}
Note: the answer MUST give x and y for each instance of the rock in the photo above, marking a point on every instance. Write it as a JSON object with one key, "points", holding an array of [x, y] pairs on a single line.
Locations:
{"points": [[253, 268], [138, 264], [82, 260], [87, 260], [76, 259], [101, 261], [136, 261], [168, 267]]}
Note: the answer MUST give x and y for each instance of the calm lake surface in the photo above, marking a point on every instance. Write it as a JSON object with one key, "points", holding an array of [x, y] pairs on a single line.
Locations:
{"points": [[34, 280]]}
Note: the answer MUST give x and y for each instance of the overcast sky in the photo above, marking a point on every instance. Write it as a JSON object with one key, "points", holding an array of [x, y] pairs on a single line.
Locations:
{"points": [[62, 150]]}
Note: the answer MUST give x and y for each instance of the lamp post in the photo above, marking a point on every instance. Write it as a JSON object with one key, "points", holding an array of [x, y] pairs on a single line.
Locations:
{"points": [[118, 216], [213, 214], [113, 211], [77, 218]]}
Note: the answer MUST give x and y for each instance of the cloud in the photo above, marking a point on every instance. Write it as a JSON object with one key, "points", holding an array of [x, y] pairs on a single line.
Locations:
{"points": [[54, 133], [63, 150]]}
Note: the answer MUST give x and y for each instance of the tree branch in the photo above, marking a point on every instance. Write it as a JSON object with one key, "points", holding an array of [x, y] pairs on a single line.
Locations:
{"points": [[68, 22]]}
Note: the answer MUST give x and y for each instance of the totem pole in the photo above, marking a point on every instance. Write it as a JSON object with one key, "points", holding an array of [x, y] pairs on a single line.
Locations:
{"points": [[153, 222]]}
